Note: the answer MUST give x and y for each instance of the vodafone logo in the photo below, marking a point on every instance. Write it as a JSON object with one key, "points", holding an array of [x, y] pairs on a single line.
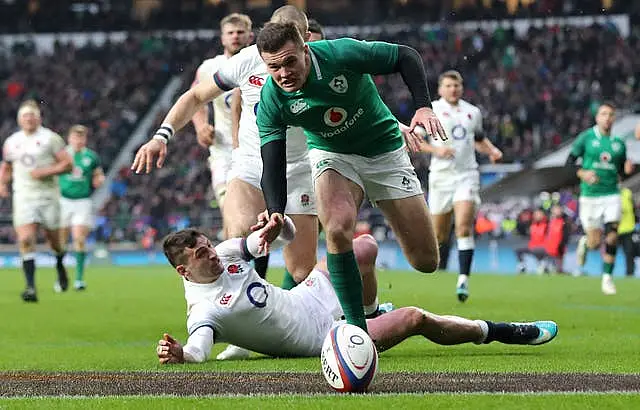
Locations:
{"points": [[256, 81], [335, 116]]}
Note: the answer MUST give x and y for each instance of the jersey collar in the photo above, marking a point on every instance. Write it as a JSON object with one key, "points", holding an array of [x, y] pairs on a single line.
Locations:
{"points": [[597, 132], [316, 66]]}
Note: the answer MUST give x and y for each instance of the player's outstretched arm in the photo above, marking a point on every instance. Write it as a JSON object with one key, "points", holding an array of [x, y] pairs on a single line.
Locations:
{"points": [[273, 231], [197, 349], [179, 115], [204, 130]]}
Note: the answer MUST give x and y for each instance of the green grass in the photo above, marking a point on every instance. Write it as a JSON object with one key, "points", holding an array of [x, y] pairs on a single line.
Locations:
{"points": [[433, 401], [115, 324]]}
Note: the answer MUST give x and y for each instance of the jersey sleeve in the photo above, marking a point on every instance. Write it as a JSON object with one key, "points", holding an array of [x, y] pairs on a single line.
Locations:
{"points": [[578, 146], [369, 57], [230, 74], [271, 126], [57, 143], [201, 315], [6, 152]]}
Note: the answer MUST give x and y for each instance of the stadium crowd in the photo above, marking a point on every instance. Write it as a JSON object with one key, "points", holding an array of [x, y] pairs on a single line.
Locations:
{"points": [[535, 91]]}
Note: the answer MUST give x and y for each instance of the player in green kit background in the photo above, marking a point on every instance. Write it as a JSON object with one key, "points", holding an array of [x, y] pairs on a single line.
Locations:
{"points": [[355, 143], [603, 162], [76, 187]]}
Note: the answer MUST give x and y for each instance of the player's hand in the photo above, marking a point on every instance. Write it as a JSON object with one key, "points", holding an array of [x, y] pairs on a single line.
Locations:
{"points": [[263, 218], [589, 176], [37, 173], [270, 232], [628, 167], [169, 350], [4, 190], [205, 135], [444, 152], [427, 118], [411, 139], [495, 156], [145, 156]]}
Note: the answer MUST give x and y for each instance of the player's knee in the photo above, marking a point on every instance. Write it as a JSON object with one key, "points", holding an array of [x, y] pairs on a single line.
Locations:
{"points": [[464, 231], [339, 231], [365, 248], [27, 244], [79, 244], [416, 318], [442, 237], [426, 262], [610, 248]]}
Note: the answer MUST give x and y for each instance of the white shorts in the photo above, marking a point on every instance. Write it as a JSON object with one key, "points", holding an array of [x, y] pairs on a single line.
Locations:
{"points": [[322, 302], [219, 164], [44, 211], [386, 176], [301, 199], [595, 211], [76, 212], [447, 188]]}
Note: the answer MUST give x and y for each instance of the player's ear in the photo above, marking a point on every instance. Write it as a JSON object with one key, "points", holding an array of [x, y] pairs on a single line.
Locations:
{"points": [[182, 271], [307, 36]]}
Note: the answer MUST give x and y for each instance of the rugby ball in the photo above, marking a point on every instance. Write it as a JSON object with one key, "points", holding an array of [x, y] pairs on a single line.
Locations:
{"points": [[349, 359]]}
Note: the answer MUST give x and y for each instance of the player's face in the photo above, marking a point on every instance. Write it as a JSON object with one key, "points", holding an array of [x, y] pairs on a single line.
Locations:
{"points": [[235, 37], [538, 215], [605, 118], [451, 90], [203, 264], [77, 141], [29, 121], [289, 66]]}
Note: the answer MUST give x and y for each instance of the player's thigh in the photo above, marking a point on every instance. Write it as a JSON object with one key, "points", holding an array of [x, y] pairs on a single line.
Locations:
{"points": [[220, 162], [612, 209], [591, 213], [411, 222], [441, 191], [339, 191], [300, 255], [465, 213], [82, 213], [67, 211], [243, 203]]}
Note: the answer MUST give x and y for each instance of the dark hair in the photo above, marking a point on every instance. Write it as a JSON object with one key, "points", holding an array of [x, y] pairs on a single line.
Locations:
{"points": [[315, 27], [274, 36], [174, 244], [609, 104]]}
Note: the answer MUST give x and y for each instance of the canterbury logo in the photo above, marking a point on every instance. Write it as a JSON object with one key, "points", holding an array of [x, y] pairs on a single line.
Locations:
{"points": [[256, 81]]}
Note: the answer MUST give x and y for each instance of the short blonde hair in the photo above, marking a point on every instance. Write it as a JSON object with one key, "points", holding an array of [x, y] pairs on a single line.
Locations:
{"points": [[291, 14], [29, 106], [236, 19], [452, 74], [79, 129]]}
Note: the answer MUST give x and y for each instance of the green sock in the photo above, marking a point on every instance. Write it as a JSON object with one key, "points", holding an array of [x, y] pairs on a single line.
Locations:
{"points": [[607, 267], [346, 280], [80, 265], [288, 282]]}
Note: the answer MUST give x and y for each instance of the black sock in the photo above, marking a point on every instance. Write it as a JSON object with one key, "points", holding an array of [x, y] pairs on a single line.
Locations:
{"points": [[509, 333], [62, 271], [29, 268], [444, 256], [261, 264], [465, 258]]}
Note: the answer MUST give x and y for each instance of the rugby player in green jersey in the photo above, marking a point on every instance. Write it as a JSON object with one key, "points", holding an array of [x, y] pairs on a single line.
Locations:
{"points": [[604, 158], [356, 146]]}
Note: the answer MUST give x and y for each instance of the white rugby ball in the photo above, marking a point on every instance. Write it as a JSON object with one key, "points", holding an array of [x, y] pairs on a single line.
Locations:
{"points": [[420, 131], [349, 359]]}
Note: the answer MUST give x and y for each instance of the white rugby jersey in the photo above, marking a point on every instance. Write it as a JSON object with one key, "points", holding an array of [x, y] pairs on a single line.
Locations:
{"points": [[245, 310], [221, 104], [27, 152], [247, 71], [461, 123]]}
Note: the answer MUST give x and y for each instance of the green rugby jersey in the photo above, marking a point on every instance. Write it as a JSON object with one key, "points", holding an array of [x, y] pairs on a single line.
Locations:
{"points": [[339, 106], [78, 183], [603, 154]]}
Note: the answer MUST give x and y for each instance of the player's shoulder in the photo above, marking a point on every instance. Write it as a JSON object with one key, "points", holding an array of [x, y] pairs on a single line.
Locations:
{"points": [[468, 107], [201, 313], [439, 103], [587, 133], [247, 56], [48, 132], [14, 136], [330, 49]]}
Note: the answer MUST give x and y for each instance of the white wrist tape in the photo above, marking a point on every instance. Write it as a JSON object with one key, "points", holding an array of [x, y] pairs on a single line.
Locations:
{"points": [[164, 133]]}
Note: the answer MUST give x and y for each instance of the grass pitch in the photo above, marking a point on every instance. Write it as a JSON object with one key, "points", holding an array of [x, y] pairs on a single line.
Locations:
{"points": [[115, 323]]}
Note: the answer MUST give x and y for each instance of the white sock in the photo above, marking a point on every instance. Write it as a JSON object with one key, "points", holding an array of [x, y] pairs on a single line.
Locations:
{"points": [[485, 331], [370, 309], [462, 279]]}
